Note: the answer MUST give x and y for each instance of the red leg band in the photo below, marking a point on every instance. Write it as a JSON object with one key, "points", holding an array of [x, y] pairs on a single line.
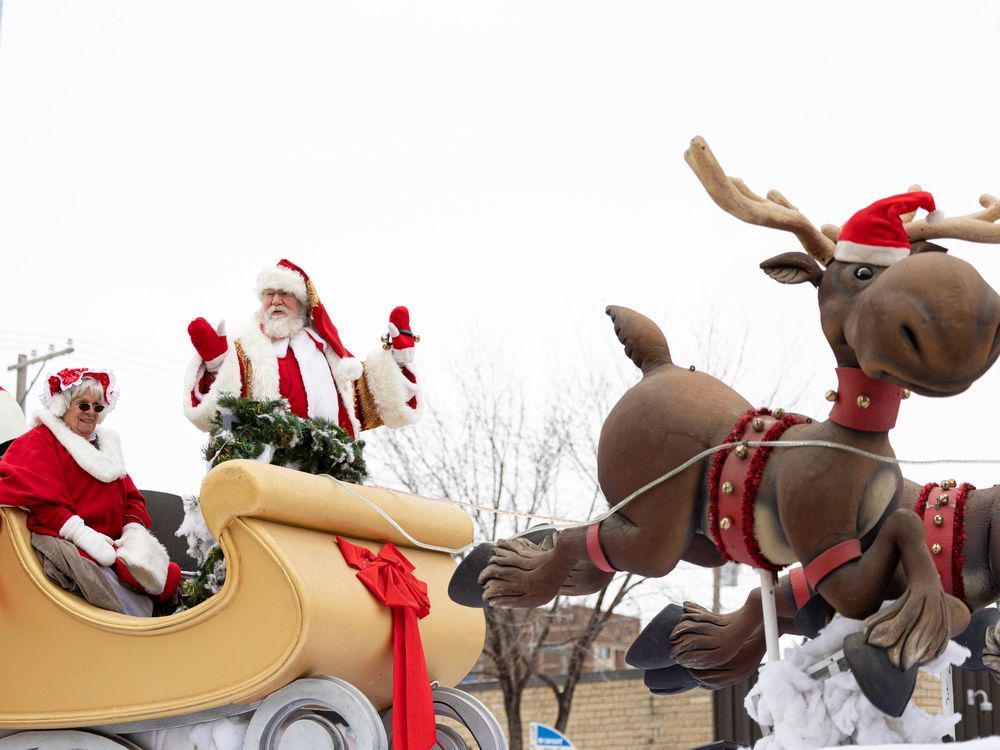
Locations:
{"points": [[800, 587], [833, 558], [597, 555]]}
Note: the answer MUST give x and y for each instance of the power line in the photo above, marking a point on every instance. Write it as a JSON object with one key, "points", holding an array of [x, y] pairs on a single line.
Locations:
{"points": [[23, 363]]}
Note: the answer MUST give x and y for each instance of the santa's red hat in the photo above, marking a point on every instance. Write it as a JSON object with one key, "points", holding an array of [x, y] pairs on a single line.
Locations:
{"points": [[288, 277], [59, 382], [876, 234]]}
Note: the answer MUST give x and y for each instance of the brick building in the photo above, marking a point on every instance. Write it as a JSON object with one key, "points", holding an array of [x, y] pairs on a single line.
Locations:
{"points": [[608, 651]]}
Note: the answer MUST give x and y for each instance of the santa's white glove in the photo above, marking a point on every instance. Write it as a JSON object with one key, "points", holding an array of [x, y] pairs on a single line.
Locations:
{"points": [[94, 543], [145, 558]]}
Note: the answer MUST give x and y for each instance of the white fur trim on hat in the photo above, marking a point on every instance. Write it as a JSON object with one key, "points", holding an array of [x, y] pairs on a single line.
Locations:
{"points": [[876, 255], [285, 279]]}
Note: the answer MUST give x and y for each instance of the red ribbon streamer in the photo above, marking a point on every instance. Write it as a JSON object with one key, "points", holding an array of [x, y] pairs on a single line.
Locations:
{"points": [[389, 577]]}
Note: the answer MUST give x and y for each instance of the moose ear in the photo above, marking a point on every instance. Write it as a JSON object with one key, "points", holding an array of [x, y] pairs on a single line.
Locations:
{"points": [[793, 268]]}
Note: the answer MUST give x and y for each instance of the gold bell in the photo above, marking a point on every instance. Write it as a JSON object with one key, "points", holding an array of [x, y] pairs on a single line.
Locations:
{"points": [[943, 499], [906, 393], [741, 450], [938, 519], [727, 488], [779, 413], [936, 549], [758, 424], [948, 484], [726, 523], [864, 401], [831, 395], [385, 342]]}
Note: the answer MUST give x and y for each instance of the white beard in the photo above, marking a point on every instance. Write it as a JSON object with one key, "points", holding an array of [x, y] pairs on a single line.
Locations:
{"points": [[281, 327]]}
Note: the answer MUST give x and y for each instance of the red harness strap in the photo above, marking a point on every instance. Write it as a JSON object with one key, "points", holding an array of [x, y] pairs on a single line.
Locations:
{"points": [[801, 590], [733, 481], [829, 560], [943, 513], [863, 403], [595, 551]]}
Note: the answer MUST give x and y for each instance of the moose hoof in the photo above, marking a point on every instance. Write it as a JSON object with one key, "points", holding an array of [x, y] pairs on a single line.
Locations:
{"points": [[669, 680], [974, 638], [651, 649], [464, 587], [886, 686], [813, 616]]}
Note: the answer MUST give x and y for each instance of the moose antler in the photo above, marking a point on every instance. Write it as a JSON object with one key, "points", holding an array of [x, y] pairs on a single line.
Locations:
{"points": [[735, 198], [977, 227]]}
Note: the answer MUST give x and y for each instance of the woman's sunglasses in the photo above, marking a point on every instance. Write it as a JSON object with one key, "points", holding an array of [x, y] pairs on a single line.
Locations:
{"points": [[84, 406]]}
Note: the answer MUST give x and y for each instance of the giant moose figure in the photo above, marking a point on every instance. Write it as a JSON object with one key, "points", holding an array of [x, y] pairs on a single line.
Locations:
{"points": [[922, 321]]}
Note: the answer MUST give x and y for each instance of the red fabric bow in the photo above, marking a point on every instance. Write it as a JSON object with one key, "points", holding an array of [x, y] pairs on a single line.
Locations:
{"points": [[389, 577]]}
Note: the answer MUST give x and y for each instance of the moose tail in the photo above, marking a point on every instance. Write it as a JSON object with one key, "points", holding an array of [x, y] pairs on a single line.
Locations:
{"points": [[644, 342]]}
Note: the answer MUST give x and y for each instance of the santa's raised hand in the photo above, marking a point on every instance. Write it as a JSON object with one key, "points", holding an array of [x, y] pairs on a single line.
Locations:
{"points": [[210, 343]]}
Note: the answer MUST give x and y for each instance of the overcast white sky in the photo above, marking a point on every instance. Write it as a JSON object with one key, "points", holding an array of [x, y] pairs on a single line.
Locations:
{"points": [[505, 169]]}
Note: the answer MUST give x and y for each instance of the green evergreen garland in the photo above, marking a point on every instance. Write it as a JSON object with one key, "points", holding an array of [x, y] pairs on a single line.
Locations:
{"points": [[315, 446]]}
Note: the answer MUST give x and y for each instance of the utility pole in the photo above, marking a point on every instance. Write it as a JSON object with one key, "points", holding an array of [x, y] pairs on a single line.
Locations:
{"points": [[23, 363]]}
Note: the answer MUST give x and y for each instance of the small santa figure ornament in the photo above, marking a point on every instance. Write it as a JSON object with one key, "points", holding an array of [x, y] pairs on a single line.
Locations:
{"points": [[876, 234]]}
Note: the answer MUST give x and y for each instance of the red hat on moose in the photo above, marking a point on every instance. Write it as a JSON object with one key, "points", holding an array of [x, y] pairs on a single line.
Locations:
{"points": [[58, 383], [288, 277], [876, 234]]}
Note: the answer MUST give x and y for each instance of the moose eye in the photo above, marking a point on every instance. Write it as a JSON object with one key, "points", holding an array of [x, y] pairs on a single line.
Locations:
{"points": [[863, 273]]}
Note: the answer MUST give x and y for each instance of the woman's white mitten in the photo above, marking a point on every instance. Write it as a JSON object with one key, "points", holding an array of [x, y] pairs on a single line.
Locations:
{"points": [[145, 558], [95, 544]]}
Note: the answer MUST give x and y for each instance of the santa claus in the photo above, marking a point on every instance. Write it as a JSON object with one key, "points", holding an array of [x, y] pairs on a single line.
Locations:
{"points": [[292, 350]]}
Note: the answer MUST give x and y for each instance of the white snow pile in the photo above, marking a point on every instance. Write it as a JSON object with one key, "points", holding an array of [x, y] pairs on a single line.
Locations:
{"points": [[805, 714], [221, 734]]}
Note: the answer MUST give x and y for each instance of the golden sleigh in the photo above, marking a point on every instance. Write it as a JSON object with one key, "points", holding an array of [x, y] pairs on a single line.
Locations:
{"points": [[292, 636]]}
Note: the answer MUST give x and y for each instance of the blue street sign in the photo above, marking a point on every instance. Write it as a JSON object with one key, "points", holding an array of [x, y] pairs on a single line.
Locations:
{"points": [[543, 738]]}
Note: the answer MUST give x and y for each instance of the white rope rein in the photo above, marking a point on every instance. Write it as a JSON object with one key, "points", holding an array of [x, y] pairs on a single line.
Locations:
{"points": [[554, 520]]}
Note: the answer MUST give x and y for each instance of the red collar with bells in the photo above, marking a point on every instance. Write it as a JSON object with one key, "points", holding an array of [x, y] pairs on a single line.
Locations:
{"points": [[863, 403]]}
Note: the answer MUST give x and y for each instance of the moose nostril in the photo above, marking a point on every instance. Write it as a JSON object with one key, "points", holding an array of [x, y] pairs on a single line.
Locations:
{"points": [[912, 338]]}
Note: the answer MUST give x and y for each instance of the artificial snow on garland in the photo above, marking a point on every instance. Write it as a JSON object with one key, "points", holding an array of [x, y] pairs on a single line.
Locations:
{"points": [[267, 431], [804, 714]]}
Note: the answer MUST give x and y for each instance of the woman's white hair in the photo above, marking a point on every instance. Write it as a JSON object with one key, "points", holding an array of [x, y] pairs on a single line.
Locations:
{"points": [[61, 401]]}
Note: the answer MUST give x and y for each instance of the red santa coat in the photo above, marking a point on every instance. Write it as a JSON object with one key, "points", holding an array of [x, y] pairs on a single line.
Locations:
{"points": [[357, 395], [55, 474]]}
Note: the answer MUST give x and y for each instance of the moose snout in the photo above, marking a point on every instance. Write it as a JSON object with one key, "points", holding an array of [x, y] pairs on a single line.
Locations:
{"points": [[931, 324]]}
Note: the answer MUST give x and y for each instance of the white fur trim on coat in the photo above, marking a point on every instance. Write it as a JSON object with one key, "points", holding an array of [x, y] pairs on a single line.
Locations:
{"points": [[391, 389], [145, 558], [105, 465], [317, 376]]}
